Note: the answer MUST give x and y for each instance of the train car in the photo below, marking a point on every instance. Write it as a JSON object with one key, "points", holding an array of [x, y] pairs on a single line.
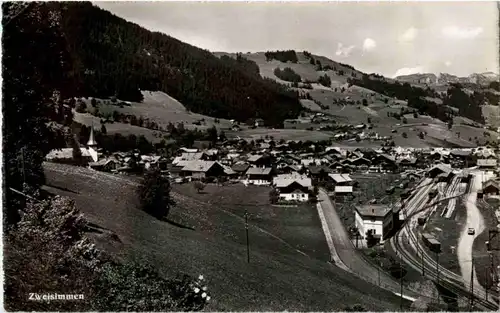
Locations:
{"points": [[431, 242], [433, 193], [422, 220]]}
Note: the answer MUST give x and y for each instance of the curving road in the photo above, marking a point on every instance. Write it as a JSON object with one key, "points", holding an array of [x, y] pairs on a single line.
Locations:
{"points": [[349, 257], [465, 243]]}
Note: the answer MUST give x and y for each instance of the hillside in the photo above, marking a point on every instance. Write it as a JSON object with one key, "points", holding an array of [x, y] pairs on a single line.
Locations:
{"points": [[343, 100], [278, 277], [109, 56]]}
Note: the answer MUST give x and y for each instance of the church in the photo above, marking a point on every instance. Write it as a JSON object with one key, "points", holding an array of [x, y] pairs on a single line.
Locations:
{"points": [[65, 155]]}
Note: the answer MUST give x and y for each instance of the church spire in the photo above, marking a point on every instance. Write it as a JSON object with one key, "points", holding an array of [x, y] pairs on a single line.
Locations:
{"points": [[91, 142]]}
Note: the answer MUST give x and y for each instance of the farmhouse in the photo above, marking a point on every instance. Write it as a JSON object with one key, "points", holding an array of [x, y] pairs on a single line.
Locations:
{"points": [[293, 187], [375, 219], [259, 176], [343, 183], [199, 169], [318, 173], [240, 168]]}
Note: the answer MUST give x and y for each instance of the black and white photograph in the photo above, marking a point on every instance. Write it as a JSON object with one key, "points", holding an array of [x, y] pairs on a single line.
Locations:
{"points": [[258, 156]]}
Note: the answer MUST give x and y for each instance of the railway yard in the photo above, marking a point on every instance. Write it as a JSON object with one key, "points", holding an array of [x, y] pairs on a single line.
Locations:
{"points": [[417, 244]]}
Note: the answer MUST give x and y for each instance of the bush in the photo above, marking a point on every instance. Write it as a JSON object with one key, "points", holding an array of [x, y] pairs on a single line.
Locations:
{"points": [[273, 196], [405, 135], [199, 186]]}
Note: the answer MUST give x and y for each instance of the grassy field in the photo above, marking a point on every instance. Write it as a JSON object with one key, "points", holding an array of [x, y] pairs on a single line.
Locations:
{"points": [[447, 231], [163, 109], [479, 251], [277, 134], [118, 128], [278, 277], [298, 226]]}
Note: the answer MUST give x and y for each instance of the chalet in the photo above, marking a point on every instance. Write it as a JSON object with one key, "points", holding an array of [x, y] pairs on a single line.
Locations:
{"points": [[189, 156], [229, 172], [491, 188], [240, 168], [439, 169], [259, 176], [375, 219], [360, 162], [260, 160], [288, 169], [200, 169], [293, 187], [105, 165], [406, 163], [150, 162], [318, 173], [343, 183]]}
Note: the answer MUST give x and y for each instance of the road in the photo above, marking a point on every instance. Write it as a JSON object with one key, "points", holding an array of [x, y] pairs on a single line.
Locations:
{"points": [[345, 250], [474, 220]]}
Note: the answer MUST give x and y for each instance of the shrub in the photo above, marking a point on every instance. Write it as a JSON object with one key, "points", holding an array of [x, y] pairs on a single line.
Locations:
{"points": [[273, 196], [405, 135], [199, 186]]}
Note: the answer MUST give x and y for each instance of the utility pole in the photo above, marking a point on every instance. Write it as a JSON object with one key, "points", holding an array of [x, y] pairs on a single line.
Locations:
{"points": [[472, 286], [401, 285], [437, 275], [246, 230]]}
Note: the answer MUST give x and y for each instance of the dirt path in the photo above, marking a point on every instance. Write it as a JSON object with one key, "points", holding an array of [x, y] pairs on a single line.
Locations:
{"points": [[475, 220]]}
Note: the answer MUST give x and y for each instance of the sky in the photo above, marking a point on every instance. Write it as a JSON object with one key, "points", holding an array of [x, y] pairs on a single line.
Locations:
{"points": [[388, 38]]}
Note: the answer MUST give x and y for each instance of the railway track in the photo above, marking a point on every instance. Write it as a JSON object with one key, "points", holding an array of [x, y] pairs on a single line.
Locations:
{"points": [[427, 264]]}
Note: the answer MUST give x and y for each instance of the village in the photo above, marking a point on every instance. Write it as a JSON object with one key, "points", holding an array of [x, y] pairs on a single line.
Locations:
{"points": [[295, 173]]}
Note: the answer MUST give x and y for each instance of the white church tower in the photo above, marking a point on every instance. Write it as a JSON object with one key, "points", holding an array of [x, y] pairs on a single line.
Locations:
{"points": [[92, 145]]}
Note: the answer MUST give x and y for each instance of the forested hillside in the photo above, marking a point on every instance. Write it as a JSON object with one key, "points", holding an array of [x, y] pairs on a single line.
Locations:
{"points": [[111, 56]]}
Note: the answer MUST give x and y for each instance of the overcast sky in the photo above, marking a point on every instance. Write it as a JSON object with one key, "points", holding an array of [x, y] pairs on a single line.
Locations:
{"points": [[383, 37]]}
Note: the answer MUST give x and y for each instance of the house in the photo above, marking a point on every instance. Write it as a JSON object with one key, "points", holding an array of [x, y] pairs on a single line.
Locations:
{"points": [[491, 188], [259, 176], [240, 168], [343, 183], [439, 169], [318, 173], [288, 169], [260, 160], [488, 164], [375, 219], [200, 169], [360, 163], [105, 165], [186, 150], [229, 172], [189, 156], [293, 187], [407, 162]]}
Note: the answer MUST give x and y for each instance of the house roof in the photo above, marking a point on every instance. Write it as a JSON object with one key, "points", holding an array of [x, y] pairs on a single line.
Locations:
{"points": [[228, 170], [259, 171], [240, 167], [188, 150], [373, 210], [198, 166], [316, 169], [189, 156], [340, 178], [442, 167], [102, 162], [491, 183], [286, 180], [486, 162], [254, 157], [461, 152]]}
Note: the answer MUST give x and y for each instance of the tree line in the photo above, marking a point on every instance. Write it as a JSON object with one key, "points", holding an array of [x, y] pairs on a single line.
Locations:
{"points": [[113, 57]]}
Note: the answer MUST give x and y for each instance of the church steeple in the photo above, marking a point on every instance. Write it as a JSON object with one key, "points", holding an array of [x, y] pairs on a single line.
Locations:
{"points": [[91, 142]]}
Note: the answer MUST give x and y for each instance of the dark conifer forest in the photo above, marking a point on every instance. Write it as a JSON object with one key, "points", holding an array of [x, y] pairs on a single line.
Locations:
{"points": [[113, 57]]}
